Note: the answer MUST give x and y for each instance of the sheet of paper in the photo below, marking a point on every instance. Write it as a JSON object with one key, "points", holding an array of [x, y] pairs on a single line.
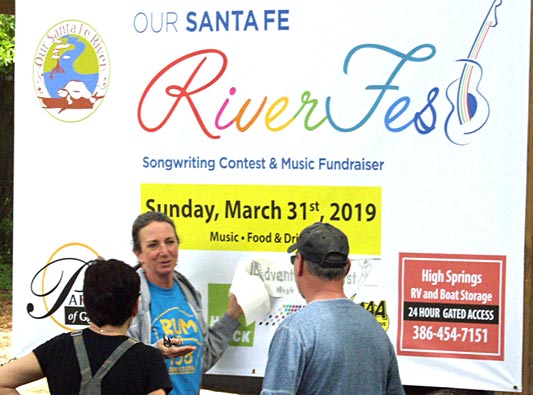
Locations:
{"points": [[250, 292], [278, 277]]}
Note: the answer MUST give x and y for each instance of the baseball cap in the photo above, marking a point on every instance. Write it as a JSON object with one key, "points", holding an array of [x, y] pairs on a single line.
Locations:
{"points": [[324, 244]]}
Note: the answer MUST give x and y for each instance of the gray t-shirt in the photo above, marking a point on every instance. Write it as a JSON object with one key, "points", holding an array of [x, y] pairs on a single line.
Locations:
{"points": [[331, 347]]}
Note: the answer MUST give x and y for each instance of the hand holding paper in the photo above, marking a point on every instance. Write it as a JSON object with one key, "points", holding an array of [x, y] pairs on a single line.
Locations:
{"points": [[250, 293]]}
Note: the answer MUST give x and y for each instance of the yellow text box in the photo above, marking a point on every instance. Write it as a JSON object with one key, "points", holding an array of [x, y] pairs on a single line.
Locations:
{"points": [[265, 217]]}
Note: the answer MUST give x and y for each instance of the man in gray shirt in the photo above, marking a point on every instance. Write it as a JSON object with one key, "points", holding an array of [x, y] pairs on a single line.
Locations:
{"points": [[332, 346]]}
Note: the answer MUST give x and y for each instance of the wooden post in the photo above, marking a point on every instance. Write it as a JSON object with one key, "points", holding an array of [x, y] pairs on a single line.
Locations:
{"points": [[527, 357], [7, 7]]}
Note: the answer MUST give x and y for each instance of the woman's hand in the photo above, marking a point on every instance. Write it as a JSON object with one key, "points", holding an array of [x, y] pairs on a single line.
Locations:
{"points": [[175, 350], [234, 310]]}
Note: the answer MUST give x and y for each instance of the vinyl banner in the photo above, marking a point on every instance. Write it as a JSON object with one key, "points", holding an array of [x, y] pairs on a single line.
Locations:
{"points": [[404, 123]]}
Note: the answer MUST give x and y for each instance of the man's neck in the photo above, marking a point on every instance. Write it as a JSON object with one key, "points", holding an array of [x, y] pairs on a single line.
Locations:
{"points": [[317, 289]]}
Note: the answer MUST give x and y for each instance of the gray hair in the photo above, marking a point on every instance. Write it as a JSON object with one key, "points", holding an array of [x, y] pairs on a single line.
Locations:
{"points": [[326, 273], [145, 219]]}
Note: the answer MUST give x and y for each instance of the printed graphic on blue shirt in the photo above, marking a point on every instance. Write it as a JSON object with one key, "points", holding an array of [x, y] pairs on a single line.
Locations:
{"points": [[173, 317]]}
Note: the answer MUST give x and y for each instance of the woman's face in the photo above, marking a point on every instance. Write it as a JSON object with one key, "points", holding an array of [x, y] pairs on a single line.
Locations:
{"points": [[159, 250]]}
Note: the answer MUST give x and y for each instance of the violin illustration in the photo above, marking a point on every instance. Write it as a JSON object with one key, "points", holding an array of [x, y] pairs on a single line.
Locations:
{"points": [[470, 109]]}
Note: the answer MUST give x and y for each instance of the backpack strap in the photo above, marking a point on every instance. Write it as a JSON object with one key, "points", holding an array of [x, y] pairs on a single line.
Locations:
{"points": [[92, 385], [83, 360]]}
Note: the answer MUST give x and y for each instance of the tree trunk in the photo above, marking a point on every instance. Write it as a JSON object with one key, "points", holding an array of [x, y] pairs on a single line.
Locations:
{"points": [[7, 95]]}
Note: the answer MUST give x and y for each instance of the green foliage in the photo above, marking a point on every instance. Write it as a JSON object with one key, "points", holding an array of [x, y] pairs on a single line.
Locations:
{"points": [[7, 43]]}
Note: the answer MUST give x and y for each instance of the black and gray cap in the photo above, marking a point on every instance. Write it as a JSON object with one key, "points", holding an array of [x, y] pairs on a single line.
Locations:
{"points": [[324, 244]]}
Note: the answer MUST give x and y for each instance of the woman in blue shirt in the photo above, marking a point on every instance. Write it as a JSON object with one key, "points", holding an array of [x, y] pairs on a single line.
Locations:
{"points": [[171, 307]]}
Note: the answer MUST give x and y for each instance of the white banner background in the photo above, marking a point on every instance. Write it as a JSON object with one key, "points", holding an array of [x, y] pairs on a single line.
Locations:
{"points": [[78, 173]]}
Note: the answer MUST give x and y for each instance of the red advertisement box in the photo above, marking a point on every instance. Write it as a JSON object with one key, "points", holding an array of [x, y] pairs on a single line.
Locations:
{"points": [[451, 306]]}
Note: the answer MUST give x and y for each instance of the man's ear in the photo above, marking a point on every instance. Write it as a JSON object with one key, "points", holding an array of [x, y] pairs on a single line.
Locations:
{"points": [[299, 266], [348, 266]]}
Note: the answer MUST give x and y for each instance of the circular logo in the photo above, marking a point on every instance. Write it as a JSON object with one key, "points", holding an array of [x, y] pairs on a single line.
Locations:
{"points": [[71, 71], [58, 285]]}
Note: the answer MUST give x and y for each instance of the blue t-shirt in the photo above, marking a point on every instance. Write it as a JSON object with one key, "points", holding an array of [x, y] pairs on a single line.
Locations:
{"points": [[332, 347], [172, 316]]}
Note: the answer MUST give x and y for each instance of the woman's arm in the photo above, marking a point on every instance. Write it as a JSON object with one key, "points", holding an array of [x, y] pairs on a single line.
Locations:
{"points": [[19, 372]]}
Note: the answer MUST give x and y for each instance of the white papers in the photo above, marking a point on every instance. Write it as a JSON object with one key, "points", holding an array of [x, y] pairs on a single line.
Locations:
{"points": [[250, 293], [278, 277], [256, 281]]}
